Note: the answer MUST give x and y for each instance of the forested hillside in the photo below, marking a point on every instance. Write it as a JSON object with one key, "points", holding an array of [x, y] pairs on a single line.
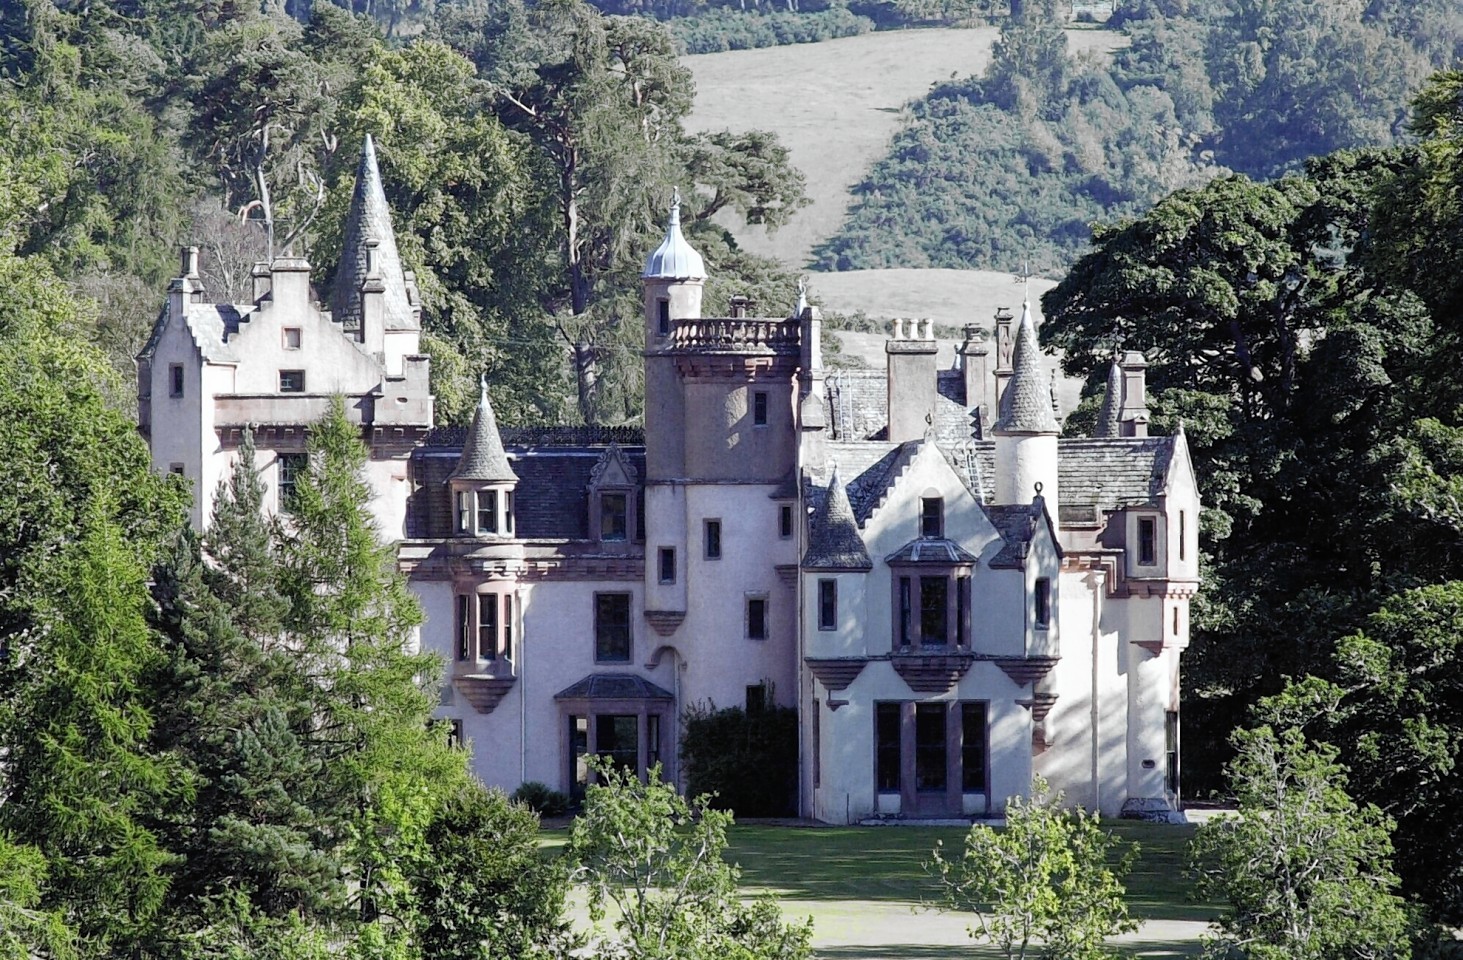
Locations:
{"points": [[1306, 332], [1019, 162], [529, 155]]}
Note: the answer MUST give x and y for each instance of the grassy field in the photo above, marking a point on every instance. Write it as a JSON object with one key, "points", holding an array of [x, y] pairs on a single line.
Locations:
{"points": [[836, 104], [866, 889]]}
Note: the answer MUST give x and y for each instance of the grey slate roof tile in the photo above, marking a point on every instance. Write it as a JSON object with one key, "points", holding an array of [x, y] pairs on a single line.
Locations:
{"points": [[614, 686], [1026, 404], [833, 538], [1112, 402], [370, 219], [483, 459]]}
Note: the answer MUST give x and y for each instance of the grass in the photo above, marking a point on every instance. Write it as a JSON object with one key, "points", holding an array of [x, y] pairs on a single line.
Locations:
{"points": [[865, 889], [835, 105]]}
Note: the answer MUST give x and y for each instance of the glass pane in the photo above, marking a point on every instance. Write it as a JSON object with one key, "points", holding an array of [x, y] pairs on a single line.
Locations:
{"points": [[652, 737], [612, 516], [578, 748], [508, 626], [487, 511], [929, 746], [612, 627], [887, 736], [487, 626], [617, 737], [934, 598], [972, 747]]}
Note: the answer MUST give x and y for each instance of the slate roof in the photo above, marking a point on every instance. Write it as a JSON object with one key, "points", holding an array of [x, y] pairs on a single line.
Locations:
{"points": [[1016, 523], [551, 501], [1026, 403], [370, 219], [833, 538], [483, 458], [210, 325], [1112, 402], [857, 402], [614, 686], [931, 550]]}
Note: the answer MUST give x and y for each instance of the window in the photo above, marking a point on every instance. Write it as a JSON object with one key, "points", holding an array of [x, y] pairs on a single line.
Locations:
{"points": [[930, 758], [1147, 541], [455, 739], [508, 512], [817, 744], [934, 609], [508, 626], [487, 626], [757, 698], [713, 540], [176, 469], [756, 618], [464, 627], [487, 511], [291, 467], [905, 602], [887, 753], [613, 516], [578, 750], [175, 379], [1183, 534], [1043, 602], [291, 338], [1171, 751], [292, 381], [617, 738], [652, 740], [612, 627], [827, 604], [464, 512], [667, 564], [932, 517], [972, 747], [664, 308], [784, 522], [1175, 620], [759, 408], [962, 611]]}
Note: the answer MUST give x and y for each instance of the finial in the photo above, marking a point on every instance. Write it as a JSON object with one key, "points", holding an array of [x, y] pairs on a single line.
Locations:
{"points": [[1037, 485], [802, 295], [675, 206], [1024, 278], [483, 385]]}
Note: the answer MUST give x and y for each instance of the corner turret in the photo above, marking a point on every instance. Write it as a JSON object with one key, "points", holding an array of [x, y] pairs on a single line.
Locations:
{"points": [[1026, 432], [483, 482]]}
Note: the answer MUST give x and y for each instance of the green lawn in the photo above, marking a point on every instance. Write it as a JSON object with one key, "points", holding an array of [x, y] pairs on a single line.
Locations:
{"points": [[867, 891]]}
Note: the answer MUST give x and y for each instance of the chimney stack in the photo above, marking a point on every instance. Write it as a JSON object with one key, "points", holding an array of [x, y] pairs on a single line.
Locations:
{"points": [[373, 302], [1133, 416], [1005, 349], [913, 380], [975, 364]]}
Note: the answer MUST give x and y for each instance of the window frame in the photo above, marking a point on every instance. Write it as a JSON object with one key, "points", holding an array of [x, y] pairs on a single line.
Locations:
{"points": [[177, 381], [909, 584], [888, 752], [759, 408], [488, 512], [931, 518], [666, 564], [284, 338], [1146, 549], [1041, 616], [784, 522], [616, 532], [295, 382], [602, 652], [828, 603], [757, 625], [711, 538], [663, 316], [288, 467]]}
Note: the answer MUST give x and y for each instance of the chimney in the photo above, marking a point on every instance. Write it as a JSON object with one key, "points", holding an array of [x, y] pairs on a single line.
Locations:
{"points": [[913, 384], [1005, 349], [975, 363], [741, 305], [260, 277], [373, 302], [289, 285], [1133, 416], [187, 287]]}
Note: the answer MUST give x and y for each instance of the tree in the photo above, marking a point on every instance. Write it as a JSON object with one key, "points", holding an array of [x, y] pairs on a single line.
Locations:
{"points": [[657, 858], [1042, 886], [1304, 872]]}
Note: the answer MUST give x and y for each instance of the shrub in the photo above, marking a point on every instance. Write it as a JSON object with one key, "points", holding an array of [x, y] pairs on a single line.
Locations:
{"points": [[719, 30], [542, 798], [748, 760]]}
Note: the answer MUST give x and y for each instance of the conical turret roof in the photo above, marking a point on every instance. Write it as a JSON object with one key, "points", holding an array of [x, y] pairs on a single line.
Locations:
{"points": [[1112, 404], [675, 258], [370, 219], [483, 459], [1026, 405], [833, 538]]}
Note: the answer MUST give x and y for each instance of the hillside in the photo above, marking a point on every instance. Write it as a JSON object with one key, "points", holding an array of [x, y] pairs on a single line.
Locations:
{"points": [[836, 105]]}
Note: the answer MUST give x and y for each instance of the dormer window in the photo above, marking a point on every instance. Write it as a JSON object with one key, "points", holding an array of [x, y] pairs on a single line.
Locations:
{"points": [[484, 513], [487, 511], [932, 517], [1147, 541], [614, 516]]}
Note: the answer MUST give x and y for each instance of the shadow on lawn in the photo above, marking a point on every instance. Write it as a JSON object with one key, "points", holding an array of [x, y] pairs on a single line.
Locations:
{"points": [[1148, 950]]}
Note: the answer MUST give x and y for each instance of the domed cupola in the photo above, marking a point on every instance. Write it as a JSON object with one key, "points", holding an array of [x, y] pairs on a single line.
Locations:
{"points": [[674, 259]]}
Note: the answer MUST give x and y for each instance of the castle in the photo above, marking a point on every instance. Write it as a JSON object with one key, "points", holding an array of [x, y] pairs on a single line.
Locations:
{"points": [[952, 596]]}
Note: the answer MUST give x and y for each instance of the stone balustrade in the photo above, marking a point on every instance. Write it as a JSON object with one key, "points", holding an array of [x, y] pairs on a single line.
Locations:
{"points": [[741, 335]]}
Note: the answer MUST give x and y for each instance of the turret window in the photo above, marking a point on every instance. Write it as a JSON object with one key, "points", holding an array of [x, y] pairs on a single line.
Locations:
{"points": [[1043, 602], [1147, 541], [487, 511], [828, 604], [175, 380], [663, 308], [667, 564], [477, 512]]}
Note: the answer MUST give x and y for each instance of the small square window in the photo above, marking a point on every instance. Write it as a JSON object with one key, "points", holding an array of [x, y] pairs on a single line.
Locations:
{"points": [[932, 517], [667, 564], [291, 338], [613, 516], [784, 522], [713, 539], [175, 379], [1043, 602], [756, 618], [292, 381], [176, 469], [827, 604], [759, 408]]}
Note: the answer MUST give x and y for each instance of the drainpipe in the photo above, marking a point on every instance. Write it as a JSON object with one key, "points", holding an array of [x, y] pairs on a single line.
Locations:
{"points": [[522, 689], [1099, 584]]}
